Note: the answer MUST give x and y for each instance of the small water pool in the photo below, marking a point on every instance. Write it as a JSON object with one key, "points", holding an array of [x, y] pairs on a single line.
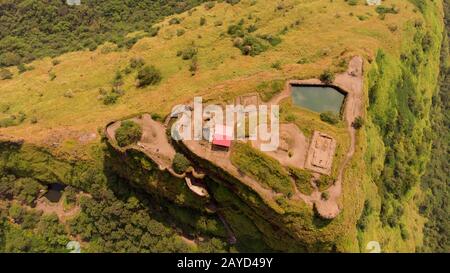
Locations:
{"points": [[318, 98], [54, 192]]}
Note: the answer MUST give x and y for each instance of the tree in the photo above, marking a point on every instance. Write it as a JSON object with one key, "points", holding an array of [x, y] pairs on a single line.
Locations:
{"points": [[327, 77], [180, 163], [358, 123], [5, 74], [148, 75], [128, 133]]}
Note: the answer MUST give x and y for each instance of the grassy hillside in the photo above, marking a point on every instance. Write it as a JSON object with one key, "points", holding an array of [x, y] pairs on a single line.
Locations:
{"points": [[71, 100], [58, 106]]}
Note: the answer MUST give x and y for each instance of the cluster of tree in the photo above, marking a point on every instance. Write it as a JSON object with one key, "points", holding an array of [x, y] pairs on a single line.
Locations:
{"points": [[25, 190], [128, 133], [53, 27], [435, 183], [116, 218], [248, 43]]}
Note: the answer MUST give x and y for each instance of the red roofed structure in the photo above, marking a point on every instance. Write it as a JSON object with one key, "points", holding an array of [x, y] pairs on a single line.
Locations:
{"points": [[222, 136]]}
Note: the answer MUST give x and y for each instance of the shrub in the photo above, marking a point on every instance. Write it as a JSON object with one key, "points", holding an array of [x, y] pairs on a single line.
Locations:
{"points": [[209, 5], [218, 23], [252, 46], [68, 94], [252, 28], [202, 21], [111, 98], [188, 53], [70, 194], [174, 21], [235, 30], [148, 75], [10, 59], [180, 32], [180, 163], [325, 196], [136, 62], [327, 77], [352, 2], [329, 117], [193, 67], [232, 2], [55, 62], [324, 182], [153, 31], [52, 76], [128, 133], [273, 40], [383, 9], [276, 65], [118, 79], [5, 74], [358, 123]]}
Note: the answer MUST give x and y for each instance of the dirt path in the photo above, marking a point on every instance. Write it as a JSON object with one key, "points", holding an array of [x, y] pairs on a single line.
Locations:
{"points": [[57, 208]]}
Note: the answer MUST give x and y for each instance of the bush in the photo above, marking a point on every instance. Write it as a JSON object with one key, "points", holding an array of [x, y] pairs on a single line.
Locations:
{"points": [[70, 194], [276, 65], [148, 75], [202, 21], [111, 98], [180, 163], [52, 76], [180, 32], [55, 62], [329, 117], [128, 133], [327, 77], [23, 68], [358, 123], [188, 53], [383, 10], [252, 46], [209, 5], [136, 62], [5, 74], [174, 21]]}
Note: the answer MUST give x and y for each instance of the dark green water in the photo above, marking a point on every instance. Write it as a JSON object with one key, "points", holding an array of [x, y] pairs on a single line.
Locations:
{"points": [[318, 98]]}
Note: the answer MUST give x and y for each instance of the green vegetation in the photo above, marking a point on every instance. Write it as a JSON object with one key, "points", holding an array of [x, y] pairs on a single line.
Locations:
{"points": [[267, 90], [358, 123], [261, 167], [54, 28], [327, 77], [12, 120], [148, 75], [5, 74], [24, 190], [180, 163], [303, 179], [435, 182], [128, 133], [329, 117]]}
